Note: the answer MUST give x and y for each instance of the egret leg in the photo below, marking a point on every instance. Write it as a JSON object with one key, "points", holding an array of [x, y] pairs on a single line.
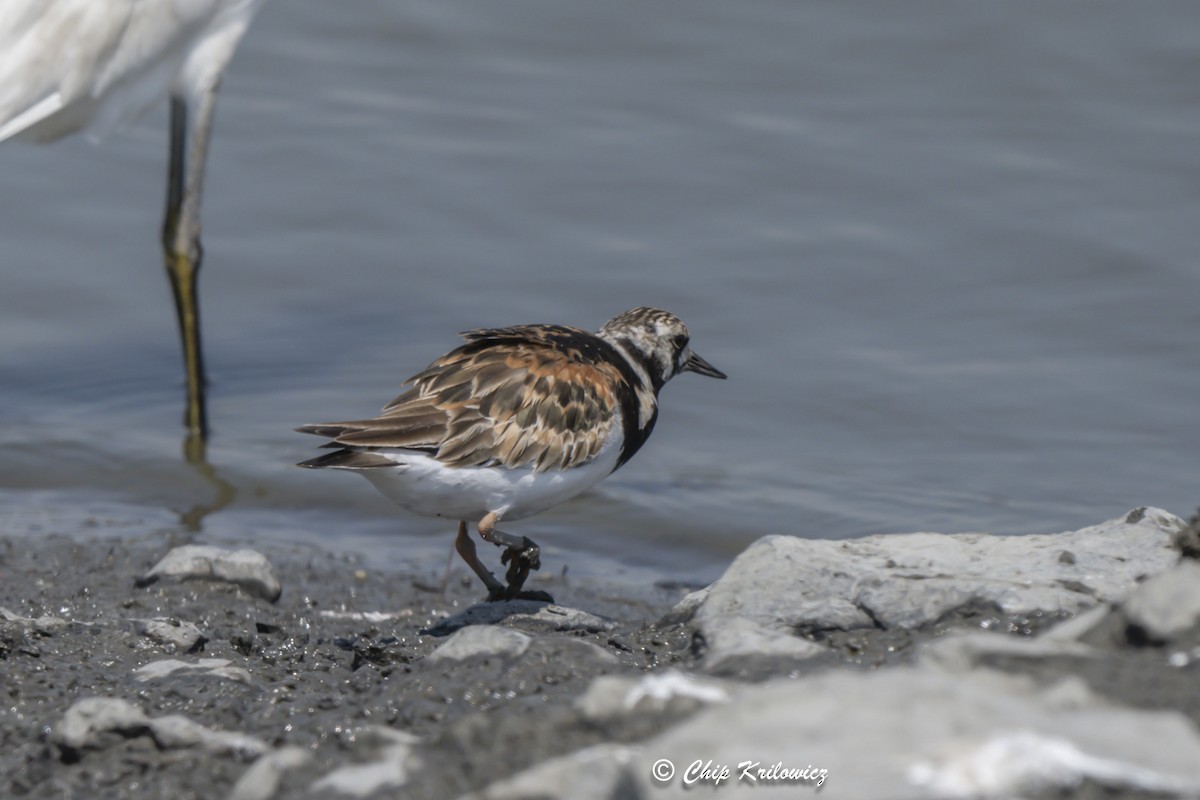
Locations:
{"points": [[190, 127]]}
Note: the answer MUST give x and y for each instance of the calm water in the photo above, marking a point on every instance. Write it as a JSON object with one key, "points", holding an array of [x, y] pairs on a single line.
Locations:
{"points": [[947, 255]]}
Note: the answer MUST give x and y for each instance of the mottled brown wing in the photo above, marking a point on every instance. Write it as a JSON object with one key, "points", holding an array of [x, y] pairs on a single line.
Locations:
{"points": [[526, 396]]}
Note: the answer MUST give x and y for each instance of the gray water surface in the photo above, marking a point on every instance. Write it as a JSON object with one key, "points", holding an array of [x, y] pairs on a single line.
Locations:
{"points": [[947, 254]]}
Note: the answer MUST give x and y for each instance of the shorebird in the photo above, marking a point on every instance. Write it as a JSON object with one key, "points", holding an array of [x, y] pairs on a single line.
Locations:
{"points": [[514, 422], [71, 65]]}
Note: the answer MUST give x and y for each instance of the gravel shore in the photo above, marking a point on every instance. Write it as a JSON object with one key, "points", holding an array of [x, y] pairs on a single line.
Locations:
{"points": [[919, 665]]}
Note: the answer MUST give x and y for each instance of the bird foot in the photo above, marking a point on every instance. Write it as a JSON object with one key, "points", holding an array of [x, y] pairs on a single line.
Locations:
{"points": [[521, 557], [500, 595], [526, 554]]}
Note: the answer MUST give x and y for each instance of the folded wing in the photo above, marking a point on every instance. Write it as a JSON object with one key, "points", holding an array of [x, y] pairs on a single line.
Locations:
{"points": [[528, 396]]}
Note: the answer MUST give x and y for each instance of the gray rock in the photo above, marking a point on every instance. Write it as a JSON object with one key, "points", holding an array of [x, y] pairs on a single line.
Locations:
{"points": [[594, 773], [785, 585], [178, 732], [965, 651], [248, 569], [614, 696], [1074, 629], [173, 633], [393, 763], [214, 667], [1167, 605], [1188, 538], [261, 781], [585, 651], [372, 617], [928, 733], [94, 723], [733, 640], [501, 642], [686, 608], [88, 723], [1165, 609], [45, 624], [530, 615], [481, 640]]}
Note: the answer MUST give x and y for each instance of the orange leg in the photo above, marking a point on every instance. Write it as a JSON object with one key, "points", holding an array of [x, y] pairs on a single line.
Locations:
{"points": [[465, 546]]}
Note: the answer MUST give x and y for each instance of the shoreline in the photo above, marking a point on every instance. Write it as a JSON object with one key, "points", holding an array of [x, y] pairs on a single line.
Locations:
{"points": [[358, 681]]}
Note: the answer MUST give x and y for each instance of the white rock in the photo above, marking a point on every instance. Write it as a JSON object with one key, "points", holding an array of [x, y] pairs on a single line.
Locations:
{"points": [[786, 584], [529, 614], [965, 651], [367, 616], [381, 736], [587, 651], [176, 732], [261, 781], [1167, 605], [214, 667], [43, 624], [921, 730], [391, 768], [1073, 629], [180, 633], [611, 696], [594, 773], [360, 780], [86, 723], [662, 687], [481, 640], [1022, 762], [248, 569], [734, 638]]}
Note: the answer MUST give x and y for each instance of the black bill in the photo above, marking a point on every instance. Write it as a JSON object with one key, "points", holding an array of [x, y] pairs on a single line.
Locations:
{"points": [[698, 365]]}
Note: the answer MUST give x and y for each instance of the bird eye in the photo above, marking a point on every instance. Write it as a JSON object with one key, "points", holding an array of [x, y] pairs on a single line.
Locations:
{"points": [[680, 341]]}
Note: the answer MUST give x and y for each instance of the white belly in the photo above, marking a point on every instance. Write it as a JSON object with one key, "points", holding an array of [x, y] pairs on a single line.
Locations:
{"points": [[425, 486]]}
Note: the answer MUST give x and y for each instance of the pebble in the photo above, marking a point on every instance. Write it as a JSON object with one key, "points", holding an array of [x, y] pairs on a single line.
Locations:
{"points": [[46, 624], [176, 633], [1166, 606], [481, 640], [594, 773], [261, 781], [248, 569], [214, 667], [531, 615], [612, 696], [390, 768], [97, 722]]}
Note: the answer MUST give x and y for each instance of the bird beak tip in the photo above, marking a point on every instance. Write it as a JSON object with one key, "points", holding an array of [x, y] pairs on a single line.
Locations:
{"points": [[701, 367]]}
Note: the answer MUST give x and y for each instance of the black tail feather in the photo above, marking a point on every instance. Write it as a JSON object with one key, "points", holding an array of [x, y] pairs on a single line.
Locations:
{"points": [[348, 459]]}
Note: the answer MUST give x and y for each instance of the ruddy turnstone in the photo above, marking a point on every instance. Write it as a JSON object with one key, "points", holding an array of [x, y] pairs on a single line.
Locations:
{"points": [[514, 422]]}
